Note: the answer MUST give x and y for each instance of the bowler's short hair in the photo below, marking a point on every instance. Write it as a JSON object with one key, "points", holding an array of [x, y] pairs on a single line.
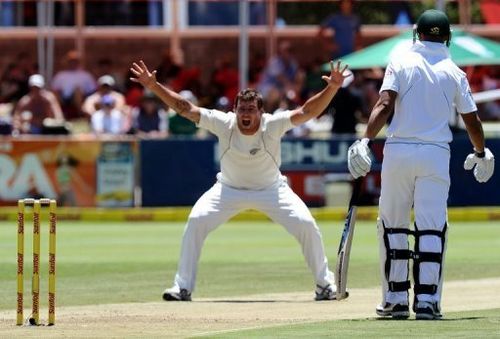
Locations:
{"points": [[249, 94]]}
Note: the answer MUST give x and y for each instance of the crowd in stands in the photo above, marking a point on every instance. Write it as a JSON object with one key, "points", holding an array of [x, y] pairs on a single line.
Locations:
{"points": [[485, 78], [103, 101]]}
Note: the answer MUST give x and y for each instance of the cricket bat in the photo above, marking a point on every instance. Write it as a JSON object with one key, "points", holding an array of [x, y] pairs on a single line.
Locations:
{"points": [[346, 241]]}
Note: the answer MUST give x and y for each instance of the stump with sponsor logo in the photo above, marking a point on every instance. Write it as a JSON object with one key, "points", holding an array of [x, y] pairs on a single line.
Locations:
{"points": [[36, 205]]}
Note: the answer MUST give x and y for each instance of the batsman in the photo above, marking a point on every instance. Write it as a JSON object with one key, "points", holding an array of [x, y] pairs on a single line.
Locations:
{"points": [[423, 88], [250, 178]]}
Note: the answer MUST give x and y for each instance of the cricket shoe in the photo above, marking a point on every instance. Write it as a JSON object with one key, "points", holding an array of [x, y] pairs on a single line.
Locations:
{"points": [[425, 310], [326, 293], [176, 294], [396, 311]]}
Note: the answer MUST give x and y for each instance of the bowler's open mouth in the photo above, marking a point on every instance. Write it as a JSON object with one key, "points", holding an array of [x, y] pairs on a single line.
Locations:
{"points": [[246, 122]]}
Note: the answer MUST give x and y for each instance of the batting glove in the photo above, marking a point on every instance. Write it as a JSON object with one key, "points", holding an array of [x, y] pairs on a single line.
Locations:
{"points": [[483, 164], [359, 159]]}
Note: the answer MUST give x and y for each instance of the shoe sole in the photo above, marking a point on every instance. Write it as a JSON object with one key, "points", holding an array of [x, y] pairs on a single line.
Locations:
{"points": [[172, 297], [346, 295], [395, 315]]}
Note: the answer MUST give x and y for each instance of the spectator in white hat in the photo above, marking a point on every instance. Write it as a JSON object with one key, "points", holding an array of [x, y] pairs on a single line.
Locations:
{"points": [[36, 106], [106, 85]]}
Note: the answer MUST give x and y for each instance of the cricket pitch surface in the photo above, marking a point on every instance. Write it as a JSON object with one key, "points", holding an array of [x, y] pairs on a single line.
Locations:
{"points": [[211, 316]]}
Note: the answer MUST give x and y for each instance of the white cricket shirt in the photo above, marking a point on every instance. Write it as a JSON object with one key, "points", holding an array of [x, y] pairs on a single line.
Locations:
{"points": [[248, 161], [430, 87]]}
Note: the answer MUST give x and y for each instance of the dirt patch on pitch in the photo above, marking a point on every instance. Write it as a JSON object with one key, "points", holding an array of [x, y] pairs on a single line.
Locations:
{"points": [[210, 316]]}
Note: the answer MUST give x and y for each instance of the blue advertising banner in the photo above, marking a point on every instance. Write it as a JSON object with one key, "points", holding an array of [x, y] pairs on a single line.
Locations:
{"points": [[178, 172], [465, 190]]}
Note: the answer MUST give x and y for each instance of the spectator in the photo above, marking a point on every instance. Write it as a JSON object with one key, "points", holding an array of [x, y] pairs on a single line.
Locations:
{"points": [[225, 79], [289, 102], [105, 66], [168, 69], [133, 92], [255, 68], [35, 107], [490, 110], [312, 79], [72, 85], [106, 85], [179, 125], [173, 74], [14, 80], [346, 108], [9, 87], [5, 119], [282, 73], [341, 31], [108, 120], [318, 127], [150, 119], [476, 74], [371, 82], [223, 104]]}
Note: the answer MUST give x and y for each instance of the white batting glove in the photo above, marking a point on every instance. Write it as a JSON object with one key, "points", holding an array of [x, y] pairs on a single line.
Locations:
{"points": [[359, 159], [483, 166]]}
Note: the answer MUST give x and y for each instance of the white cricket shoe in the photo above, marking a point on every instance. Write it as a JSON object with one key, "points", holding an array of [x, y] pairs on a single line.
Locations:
{"points": [[176, 294], [327, 292]]}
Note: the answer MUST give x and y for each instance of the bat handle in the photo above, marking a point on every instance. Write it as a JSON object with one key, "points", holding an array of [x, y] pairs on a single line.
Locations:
{"points": [[356, 190]]}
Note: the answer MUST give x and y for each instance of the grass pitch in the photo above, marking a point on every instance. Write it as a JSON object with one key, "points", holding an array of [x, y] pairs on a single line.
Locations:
{"points": [[107, 263]]}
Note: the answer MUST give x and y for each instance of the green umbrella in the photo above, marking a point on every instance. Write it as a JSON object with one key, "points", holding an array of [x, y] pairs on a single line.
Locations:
{"points": [[466, 49]]}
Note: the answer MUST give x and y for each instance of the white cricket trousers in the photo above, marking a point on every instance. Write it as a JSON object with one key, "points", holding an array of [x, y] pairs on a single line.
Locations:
{"points": [[413, 175], [279, 203]]}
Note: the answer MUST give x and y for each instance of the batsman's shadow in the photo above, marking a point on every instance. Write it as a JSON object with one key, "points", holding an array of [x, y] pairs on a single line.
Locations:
{"points": [[413, 319]]}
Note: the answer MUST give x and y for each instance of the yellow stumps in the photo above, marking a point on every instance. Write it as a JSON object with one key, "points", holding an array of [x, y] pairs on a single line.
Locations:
{"points": [[20, 261], [35, 284], [52, 262]]}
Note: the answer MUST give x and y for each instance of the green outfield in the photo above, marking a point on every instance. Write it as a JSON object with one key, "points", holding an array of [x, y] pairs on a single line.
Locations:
{"points": [[132, 262], [476, 324]]}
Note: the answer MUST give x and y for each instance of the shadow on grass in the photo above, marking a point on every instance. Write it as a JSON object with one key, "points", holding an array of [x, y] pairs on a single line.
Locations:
{"points": [[413, 319]]}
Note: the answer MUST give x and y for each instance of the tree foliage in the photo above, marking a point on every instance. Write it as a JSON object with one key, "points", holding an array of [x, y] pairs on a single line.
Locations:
{"points": [[371, 12]]}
